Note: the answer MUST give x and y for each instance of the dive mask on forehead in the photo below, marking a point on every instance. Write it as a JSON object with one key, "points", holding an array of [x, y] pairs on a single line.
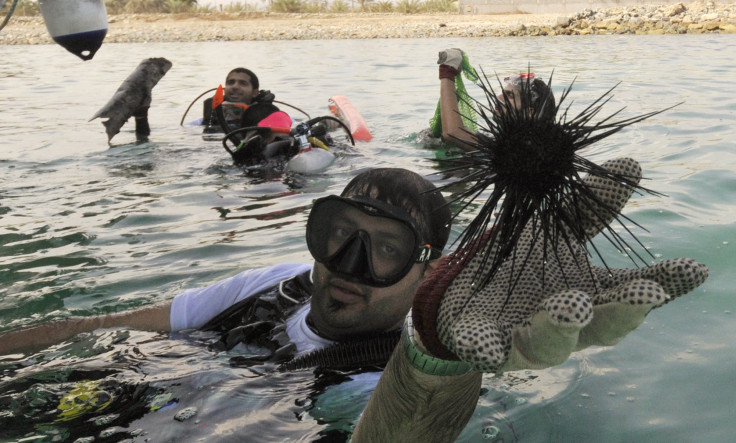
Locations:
{"points": [[521, 82], [365, 240], [515, 81]]}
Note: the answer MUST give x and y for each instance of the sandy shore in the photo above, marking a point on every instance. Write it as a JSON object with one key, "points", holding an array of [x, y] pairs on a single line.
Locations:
{"points": [[651, 19], [165, 27]]}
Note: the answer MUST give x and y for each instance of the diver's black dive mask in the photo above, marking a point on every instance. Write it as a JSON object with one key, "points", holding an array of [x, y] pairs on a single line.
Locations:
{"points": [[365, 240]]}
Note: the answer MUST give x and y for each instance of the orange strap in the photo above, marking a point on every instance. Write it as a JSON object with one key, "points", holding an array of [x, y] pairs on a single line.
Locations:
{"points": [[219, 99]]}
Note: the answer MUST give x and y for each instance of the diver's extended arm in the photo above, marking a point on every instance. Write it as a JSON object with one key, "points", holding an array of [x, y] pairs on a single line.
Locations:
{"points": [[142, 128], [153, 318], [409, 405], [454, 131]]}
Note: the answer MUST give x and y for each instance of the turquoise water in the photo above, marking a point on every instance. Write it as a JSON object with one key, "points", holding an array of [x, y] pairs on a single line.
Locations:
{"points": [[89, 228]]}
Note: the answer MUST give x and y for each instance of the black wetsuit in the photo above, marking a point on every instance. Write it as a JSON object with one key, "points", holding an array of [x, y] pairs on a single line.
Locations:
{"points": [[209, 120]]}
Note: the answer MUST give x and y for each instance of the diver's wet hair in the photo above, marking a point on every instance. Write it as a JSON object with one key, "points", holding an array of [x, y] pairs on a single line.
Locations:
{"points": [[248, 72], [412, 193], [255, 113], [534, 94], [544, 102]]}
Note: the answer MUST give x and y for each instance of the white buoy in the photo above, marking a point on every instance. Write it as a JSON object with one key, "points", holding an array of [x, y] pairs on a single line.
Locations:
{"points": [[310, 161], [79, 26]]}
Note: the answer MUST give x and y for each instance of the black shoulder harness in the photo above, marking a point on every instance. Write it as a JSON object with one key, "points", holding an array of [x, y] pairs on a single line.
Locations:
{"points": [[261, 319]]}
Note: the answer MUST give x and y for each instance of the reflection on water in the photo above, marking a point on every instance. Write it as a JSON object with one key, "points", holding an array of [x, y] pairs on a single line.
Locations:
{"points": [[87, 228], [114, 385]]}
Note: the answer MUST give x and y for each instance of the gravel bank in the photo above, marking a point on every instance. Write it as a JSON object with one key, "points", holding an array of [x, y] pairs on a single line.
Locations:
{"points": [[700, 17]]}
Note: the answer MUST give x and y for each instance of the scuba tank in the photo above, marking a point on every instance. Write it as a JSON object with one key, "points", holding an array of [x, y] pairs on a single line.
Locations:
{"points": [[309, 154], [79, 26], [310, 158]]}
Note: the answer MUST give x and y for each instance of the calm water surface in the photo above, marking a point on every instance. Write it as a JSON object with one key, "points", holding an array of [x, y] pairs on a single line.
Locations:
{"points": [[88, 228]]}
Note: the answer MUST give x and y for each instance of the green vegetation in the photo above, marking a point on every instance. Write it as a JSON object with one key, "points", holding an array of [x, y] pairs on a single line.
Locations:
{"points": [[439, 6], [344, 6], [24, 7], [143, 6], [30, 7], [408, 6], [339, 6], [237, 7], [386, 6]]}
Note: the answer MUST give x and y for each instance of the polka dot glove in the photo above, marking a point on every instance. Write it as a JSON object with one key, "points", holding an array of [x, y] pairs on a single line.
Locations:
{"points": [[558, 302]]}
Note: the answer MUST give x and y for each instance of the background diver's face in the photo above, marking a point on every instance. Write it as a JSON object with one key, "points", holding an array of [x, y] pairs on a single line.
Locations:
{"points": [[239, 89], [510, 98], [341, 308]]}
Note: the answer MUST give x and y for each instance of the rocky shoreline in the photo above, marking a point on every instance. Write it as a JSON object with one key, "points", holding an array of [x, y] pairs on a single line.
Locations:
{"points": [[680, 18]]}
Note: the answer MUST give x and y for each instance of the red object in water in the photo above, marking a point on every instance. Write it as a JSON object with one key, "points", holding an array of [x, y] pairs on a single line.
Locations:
{"points": [[341, 108]]}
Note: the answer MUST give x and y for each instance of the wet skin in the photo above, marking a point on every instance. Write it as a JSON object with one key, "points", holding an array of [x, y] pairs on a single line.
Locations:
{"points": [[510, 98], [238, 88]]}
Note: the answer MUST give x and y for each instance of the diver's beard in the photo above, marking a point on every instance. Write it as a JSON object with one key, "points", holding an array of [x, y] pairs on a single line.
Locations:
{"points": [[335, 305], [335, 318]]}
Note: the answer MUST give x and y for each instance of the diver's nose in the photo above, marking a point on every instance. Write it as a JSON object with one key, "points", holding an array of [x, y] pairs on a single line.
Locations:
{"points": [[354, 259]]}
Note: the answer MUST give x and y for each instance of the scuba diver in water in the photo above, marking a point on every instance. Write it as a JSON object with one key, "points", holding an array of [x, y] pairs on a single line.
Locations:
{"points": [[241, 90], [377, 251], [257, 133], [372, 246]]}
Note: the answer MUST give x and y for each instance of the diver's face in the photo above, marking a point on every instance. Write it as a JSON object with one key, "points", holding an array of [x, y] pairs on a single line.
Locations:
{"points": [[239, 89], [509, 99], [341, 308]]}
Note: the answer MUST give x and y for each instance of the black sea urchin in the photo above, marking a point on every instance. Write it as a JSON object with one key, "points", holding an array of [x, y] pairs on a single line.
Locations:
{"points": [[531, 160]]}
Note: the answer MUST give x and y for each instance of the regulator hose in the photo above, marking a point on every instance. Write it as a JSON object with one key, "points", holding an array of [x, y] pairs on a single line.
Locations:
{"points": [[316, 120], [192, 104], [373, 351], [238, 140], [181, 123]]}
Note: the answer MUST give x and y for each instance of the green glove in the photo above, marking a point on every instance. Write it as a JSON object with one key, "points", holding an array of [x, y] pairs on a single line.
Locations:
{"points": [[534, 316]]}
